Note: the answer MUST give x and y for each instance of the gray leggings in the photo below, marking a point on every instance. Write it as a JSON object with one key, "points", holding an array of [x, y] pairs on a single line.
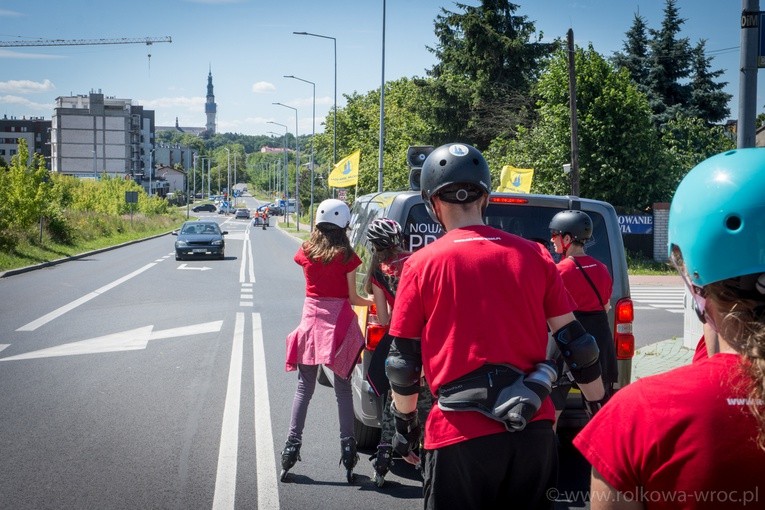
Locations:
{"points": [[305, 387]]}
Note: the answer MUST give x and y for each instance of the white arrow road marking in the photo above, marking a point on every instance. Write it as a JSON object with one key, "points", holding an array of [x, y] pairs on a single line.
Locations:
{"points": [[84, 299], [3, 346], [192, 268], [131, 340]]}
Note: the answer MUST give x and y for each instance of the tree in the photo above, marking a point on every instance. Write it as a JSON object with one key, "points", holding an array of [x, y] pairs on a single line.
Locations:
{"points": [[670, 62], [636, 53], [620, 155], [488, 58], [407, 122], [24, 194], [708, 99]]}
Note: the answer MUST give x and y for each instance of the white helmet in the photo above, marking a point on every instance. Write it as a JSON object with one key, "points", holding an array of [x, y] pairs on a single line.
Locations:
{"points": [[335, 212]]}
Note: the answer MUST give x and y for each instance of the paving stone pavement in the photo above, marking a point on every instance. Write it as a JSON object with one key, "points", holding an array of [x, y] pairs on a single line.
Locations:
{"points": [[660, 356]]}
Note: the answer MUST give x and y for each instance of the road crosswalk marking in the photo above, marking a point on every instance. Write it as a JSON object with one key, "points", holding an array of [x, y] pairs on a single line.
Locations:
{"points": [[671, 299]]}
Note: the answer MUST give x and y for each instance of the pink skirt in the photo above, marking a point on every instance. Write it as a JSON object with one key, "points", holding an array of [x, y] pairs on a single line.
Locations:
{"points": [[328, 334]]}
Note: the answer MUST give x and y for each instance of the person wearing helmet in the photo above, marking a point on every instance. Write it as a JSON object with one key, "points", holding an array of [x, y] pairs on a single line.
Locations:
{"points": [[589, 283], [472, 310], [386, 241], [328, 332], [694, 437]]}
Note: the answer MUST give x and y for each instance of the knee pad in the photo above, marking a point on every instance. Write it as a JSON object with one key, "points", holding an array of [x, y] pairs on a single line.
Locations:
{"points": [[580, 351], [403, 366]]}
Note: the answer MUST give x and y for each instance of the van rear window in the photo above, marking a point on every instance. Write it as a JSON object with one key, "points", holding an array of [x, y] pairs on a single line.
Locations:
{"points": [[532, 222]]}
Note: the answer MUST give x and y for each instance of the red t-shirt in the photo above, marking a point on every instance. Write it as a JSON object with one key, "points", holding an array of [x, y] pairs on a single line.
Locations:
{"points": [[578, 286], [701, 350], [326, 280], [477, 295], [681, 439]]}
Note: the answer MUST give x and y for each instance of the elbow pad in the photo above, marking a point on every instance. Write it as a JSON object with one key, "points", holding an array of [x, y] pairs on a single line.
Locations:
{"points": [[403, 366], [580, 352]]}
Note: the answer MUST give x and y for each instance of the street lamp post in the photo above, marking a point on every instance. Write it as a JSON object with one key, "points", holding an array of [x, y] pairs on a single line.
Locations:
{"points": [[382, 110], [297, 169], [228, 164], [334, 106], [286, 174], [313, 133], [151, 168]]}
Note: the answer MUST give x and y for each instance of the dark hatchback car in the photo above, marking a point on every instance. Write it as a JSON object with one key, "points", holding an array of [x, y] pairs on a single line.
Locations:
{"points": [[204, 207], [199, 239]]}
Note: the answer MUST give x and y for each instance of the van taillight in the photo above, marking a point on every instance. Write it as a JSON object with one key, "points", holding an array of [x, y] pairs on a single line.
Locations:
{"points": [[375, 333], [624, 314]]}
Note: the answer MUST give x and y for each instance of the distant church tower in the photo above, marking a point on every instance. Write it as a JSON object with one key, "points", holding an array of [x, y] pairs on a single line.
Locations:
{"points": [[210, 106]]}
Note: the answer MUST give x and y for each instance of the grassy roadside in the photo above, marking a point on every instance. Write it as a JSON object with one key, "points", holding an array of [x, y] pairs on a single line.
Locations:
{"points": [[31, 250]]}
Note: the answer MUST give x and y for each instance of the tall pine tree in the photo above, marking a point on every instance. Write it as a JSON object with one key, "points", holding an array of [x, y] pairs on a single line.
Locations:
{"points": [[708, 100], [488, 57]]}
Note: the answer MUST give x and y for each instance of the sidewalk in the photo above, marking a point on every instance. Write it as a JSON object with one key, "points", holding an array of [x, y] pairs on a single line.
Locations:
{"points": [[664, 355]]}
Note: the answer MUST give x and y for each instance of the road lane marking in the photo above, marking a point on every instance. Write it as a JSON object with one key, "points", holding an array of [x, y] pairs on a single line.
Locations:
{"points": [[3, 346], [192, 268], [247, 267], [268, 489], [131, 340], [225, 478], [58, 312]]}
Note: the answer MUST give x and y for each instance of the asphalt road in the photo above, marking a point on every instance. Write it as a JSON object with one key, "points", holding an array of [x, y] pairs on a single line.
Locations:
{"points": [[131, 380]]}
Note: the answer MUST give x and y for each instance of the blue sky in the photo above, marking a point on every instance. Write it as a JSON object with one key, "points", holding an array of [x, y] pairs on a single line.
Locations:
{"points": [[250, 46]]}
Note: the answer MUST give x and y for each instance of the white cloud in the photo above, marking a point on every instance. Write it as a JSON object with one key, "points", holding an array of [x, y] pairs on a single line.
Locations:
{"points": [[26, 86], [263, 87], [9, 14], [26, 103], [27, 56]]}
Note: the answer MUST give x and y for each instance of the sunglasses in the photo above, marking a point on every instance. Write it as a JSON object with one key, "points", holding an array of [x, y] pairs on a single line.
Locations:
{"points": [[697, 293]]}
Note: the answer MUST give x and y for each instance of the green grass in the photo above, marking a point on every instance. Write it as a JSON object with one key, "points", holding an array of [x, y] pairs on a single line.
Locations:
{"points": [[91, 235], [642, 266]]}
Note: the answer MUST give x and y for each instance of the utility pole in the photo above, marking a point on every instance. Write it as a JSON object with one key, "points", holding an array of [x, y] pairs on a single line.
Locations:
{"points": [[572, 108], [747, 90]]}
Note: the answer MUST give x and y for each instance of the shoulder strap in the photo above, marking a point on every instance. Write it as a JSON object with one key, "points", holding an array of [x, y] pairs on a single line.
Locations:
{"points": [[587, 277]]}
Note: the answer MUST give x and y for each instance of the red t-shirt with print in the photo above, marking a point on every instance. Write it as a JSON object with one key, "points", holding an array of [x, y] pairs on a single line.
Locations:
{"points": [[578, 286], [477, 295], [681, 439], [327, 280]]}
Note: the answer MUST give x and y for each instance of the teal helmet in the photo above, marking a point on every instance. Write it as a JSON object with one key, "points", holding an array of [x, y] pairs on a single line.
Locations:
{"points": [[717, 217]]}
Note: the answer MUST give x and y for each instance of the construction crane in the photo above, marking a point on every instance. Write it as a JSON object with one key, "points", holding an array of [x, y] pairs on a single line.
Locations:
{"points": [[148, 41], [84, 42]]}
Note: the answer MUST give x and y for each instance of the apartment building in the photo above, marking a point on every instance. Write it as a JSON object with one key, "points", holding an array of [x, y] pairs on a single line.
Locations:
{"points": [[35, 130]]}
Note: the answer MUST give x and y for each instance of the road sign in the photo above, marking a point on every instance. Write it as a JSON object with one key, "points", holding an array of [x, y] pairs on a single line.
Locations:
{"points": [[131, 197]]}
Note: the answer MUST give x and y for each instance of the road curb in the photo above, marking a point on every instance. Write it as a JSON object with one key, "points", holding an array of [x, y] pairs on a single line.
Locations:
{"points": [[50, 263]]}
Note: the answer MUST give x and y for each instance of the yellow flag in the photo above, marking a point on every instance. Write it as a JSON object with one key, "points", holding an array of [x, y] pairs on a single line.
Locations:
{"points": [[515, 180], [346, 172]]}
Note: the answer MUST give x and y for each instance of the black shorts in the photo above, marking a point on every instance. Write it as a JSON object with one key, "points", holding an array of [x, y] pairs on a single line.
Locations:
{"points": [[500, 471]]}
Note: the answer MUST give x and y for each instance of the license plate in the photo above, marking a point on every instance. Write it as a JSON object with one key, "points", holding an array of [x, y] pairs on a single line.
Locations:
{"points": [[200, 250]]}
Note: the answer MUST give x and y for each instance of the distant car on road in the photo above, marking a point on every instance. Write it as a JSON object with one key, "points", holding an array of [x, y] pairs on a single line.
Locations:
{"points": [[199, 239], [242, 213], [204, 207]]}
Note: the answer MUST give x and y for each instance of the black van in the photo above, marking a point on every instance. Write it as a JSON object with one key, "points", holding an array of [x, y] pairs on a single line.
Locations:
{"points": [[527, 216]]}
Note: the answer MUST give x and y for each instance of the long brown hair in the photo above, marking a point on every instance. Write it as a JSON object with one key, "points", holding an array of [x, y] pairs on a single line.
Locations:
{"points": [[742, 325], [379, 257], [326, 242]]}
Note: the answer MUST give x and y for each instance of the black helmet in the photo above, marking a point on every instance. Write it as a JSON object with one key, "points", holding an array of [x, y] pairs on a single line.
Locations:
{"points": [[577, 224], [384, 233], [454, 163]]}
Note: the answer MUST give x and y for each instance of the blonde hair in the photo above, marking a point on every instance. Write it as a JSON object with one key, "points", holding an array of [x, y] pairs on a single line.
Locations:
{"points": [[742, 325], [326, 242]]}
